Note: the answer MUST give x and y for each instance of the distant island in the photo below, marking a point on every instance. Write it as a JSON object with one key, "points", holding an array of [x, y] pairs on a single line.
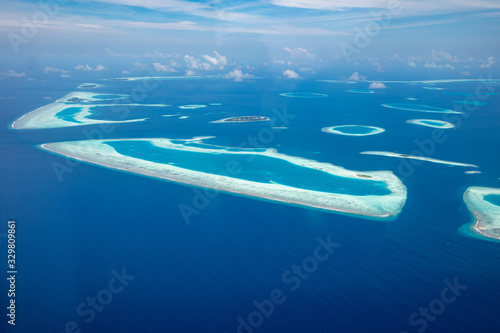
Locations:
{"points": [[90, 85], [420, 158], [431, 123], [353, 130], [75, 100], [242, 119]]}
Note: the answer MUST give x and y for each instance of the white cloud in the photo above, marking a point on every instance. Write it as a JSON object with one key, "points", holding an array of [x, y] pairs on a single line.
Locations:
{"points": [[419, 7], [47, 98], [83, 68], [237, 75], [218, 60], [300, 53], [162, 68], [111, 53], [433, 64], [442, 55], [377, 85], [47, 70], [12, 73], [139, 66], [88, 68], [190, 73], [195, 63], [488, 63], [329, 4], [289, 74], [307, 70], [436, 59], [356, 77], [65, 75], [282, 62], [125, 72]]}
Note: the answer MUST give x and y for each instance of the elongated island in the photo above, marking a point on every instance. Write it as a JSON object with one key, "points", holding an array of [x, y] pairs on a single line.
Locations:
{"points": [[257, 173]]}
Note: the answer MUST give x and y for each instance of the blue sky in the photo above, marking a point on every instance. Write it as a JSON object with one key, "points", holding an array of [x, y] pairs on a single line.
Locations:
{"points": [[240, 39]]}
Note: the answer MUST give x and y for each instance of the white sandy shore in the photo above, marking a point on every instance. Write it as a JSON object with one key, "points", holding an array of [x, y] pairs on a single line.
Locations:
{"points": [[140, 78], [45, 116], [192, 107], [304, 95], [415, 108], [243, 121], [422, 122], [333, 130], [486, 215], [361, 91], [384, 207], [443, 81], [420, 158]]}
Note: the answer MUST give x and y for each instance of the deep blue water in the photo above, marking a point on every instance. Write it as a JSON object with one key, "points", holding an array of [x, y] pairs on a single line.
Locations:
{"points": [[202, 276]]}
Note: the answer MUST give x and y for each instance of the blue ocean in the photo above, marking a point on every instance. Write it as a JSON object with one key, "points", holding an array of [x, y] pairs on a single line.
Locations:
{"points": [[101, 250]]}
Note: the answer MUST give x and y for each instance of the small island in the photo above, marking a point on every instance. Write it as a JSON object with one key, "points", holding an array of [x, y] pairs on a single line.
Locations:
{"points": [[484, 206], [418, 108], [420, 158], [353, 130], [361, 91], [192, 107], [75, 100], [363, 176], [431, 123], [303, 95], [242, 119], [90, 85]]}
